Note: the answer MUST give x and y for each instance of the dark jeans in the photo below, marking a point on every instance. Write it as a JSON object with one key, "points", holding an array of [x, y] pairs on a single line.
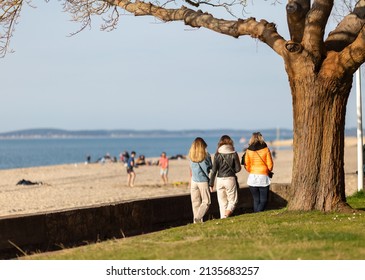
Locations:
{"points": [[260, 196]]}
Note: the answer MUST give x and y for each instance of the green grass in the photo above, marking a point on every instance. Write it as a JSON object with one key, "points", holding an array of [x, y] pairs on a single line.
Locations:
{"points": [[357, 200], [270, 235]]}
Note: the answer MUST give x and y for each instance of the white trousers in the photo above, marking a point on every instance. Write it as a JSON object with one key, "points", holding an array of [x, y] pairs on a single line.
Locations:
{"points": [[227, 194]]}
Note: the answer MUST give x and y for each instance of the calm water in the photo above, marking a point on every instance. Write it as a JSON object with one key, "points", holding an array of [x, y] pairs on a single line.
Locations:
{"points": [[41, 152]]}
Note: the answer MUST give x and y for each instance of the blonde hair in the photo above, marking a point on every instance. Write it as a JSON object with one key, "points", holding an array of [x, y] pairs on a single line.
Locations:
{"points": [[256, 138], [198, 152]]}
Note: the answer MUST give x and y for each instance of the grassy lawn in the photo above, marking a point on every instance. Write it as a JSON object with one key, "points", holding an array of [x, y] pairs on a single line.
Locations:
{"points": [[270, 235]]}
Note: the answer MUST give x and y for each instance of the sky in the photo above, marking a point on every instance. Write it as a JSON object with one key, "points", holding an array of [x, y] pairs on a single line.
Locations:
{"points": [[143, 75]]}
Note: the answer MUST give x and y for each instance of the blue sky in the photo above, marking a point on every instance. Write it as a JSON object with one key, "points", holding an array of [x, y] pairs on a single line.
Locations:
{"points": [[143, 75]]}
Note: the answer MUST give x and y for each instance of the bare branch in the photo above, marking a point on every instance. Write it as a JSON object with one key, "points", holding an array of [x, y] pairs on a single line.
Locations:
{"points": [[192, 3], [9, 15], [355, 51], [111, 22], [315, 26], [296, 13], [348, 60], [343, 8], [82, 11], [198, 3], [263, 30], [348, 29]]}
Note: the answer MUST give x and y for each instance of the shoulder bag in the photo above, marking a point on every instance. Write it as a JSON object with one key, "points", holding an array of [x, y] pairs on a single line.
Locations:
{"points": [[270, 174], [206, 175]]}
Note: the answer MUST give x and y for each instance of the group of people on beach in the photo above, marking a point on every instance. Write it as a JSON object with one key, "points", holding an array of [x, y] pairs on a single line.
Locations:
{"points": [[221, 174], [130, 163]]}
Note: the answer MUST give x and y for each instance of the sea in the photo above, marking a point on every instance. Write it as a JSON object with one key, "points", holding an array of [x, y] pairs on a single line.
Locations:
{"points": [[21, 153]]}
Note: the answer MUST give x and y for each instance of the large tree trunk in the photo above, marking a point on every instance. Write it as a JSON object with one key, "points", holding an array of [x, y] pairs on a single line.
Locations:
{"points": [[319, 107]]}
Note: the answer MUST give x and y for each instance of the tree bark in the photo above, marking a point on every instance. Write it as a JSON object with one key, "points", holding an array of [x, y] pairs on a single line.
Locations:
{"points": [[319, 108]]}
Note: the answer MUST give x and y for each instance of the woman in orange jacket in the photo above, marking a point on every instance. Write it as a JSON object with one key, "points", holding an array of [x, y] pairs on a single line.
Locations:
{"points": [[258, 162]]}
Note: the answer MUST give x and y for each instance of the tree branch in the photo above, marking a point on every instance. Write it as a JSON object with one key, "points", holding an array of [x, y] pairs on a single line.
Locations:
{"points": [[296, 12], [10, 13], [355, 51], [83, 10], [346, 62], [263, 30], [347, 30], [316, 22]]}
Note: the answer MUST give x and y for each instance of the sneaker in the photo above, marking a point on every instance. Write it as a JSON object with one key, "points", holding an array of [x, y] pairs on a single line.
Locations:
{"points": [[198, 221]]}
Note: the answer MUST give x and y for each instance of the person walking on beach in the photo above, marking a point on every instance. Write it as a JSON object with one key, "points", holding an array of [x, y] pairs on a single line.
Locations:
{"points": [[130, 169], [259, 164], [200, 166], [164, 167], [226, 165]]}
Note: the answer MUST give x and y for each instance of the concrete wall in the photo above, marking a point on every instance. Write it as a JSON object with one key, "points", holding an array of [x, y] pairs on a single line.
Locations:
{"points": [[56, 230]]}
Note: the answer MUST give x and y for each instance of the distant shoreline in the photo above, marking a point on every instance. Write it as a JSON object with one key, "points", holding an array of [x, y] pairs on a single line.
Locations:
{"points": [[270, 134], [129, 134]]}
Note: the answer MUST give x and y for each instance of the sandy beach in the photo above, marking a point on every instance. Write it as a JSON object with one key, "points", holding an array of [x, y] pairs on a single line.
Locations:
{"points": [[82, 185]]}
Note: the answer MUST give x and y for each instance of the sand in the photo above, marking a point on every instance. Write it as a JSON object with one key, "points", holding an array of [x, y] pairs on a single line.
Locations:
{"points": [[81, 185]]}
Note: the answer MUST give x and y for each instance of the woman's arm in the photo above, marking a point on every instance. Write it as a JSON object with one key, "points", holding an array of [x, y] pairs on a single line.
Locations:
{"points": [[214, 171], [237, 163]]}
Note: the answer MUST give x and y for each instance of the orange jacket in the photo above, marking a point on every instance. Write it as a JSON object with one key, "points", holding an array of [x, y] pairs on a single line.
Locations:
{"points": [[255, 165]]}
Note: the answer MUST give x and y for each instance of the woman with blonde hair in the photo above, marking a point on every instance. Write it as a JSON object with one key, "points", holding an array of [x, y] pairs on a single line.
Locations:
{"points": [[200, 166], [259, 163], [226, 165]]}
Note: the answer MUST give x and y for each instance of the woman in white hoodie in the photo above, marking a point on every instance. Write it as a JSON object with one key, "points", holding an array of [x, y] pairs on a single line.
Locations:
{"points": [[225, 166]]}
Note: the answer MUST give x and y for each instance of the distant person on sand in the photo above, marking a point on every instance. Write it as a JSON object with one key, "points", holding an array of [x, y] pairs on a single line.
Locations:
{"points": [[124, 157], [164, 167], [130, 169], [226, 165], [258, 162], [273, 153], [200, 166], [141, 160]]}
